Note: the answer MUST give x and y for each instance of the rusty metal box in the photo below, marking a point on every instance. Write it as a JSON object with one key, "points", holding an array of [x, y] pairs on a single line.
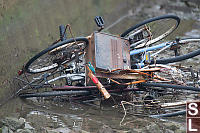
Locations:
{"points": [[108, 52], [111, 52]]}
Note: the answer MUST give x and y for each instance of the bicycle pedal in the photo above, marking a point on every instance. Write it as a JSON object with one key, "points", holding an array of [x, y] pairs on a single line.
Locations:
{"points": [[99, 21]]}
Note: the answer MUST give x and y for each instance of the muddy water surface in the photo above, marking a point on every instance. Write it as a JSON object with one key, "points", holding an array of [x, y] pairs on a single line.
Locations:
{"points": [[46, 115]]}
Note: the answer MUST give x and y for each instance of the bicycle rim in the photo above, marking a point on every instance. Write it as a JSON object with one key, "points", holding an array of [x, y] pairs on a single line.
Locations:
{"points": [[164, 85], [163, 97], [154, 102], [188, 48], [43, 81], [53, 93], [160, 27], [54, 55], [172, 102]]}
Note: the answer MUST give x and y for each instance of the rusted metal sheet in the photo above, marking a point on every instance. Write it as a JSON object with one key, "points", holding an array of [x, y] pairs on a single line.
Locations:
{"points": [[132, 76], [111, 52], [90, 57], [107, 52]]}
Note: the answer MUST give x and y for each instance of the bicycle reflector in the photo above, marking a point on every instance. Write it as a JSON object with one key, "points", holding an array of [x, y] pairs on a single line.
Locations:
{"points": [[148, 57], [20, 72], [99, 21]]}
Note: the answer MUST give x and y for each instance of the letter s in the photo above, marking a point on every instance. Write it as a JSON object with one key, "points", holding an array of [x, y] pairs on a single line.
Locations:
{"points": [[193, 106]]}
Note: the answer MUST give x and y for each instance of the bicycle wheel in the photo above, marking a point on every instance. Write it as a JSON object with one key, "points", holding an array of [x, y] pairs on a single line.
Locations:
{"points": [[168, 100], [154, 102], [30, 82], [184, 49], [42, 81], [56, 55], [151, 30], [166, 95], [164, 85], [53, 93]]}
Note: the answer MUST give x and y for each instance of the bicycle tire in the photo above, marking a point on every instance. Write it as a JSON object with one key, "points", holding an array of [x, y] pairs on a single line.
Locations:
{"points": [[180, 57], [155, 19], [45, 51], [53, 93], [182, 112], [180, 87]]}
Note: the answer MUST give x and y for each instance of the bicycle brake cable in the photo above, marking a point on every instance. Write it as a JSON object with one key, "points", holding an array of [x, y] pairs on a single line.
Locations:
{"points": [[70, 31]]}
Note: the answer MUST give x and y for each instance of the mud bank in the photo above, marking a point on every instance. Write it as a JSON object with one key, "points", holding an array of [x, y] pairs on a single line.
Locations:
{"points": [[52, 117]]}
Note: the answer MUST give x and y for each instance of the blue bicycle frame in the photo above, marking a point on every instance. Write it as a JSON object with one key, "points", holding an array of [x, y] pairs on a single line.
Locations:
{"points": [[164, 46], [137, 51]]}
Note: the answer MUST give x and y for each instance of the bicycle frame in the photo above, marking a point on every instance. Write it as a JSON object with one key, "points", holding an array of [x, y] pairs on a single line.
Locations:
{"points": [[43, 79], [115, 70], [162, 47], [137, 51], [73, 77]]}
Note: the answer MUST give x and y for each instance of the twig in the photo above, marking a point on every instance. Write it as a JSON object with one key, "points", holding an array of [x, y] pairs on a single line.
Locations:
{"points": [[122, 103]]}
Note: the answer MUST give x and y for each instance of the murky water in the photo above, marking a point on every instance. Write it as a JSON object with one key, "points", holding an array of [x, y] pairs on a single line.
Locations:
{"points": [[50, 114]]}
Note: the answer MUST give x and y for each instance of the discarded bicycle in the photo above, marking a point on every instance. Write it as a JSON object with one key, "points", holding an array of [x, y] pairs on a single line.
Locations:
{"points": [[71, 67]]}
